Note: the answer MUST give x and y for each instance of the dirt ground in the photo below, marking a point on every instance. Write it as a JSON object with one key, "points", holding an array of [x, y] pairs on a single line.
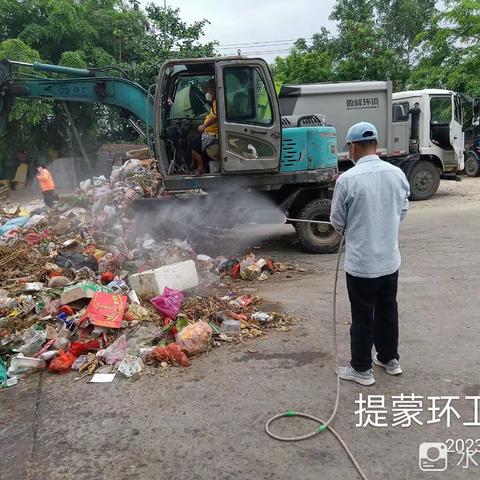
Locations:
{"points": [[207, 422]]}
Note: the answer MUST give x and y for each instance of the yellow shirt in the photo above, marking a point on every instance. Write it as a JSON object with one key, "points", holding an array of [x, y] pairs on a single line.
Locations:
{"points": [[212, 115]]}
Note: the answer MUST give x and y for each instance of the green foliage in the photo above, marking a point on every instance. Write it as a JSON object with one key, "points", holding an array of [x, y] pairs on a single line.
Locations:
{"points": [[376, 40], [304, 67], [25, 110], [409, 42], [452, 50], [76, 59], [15, 49]]}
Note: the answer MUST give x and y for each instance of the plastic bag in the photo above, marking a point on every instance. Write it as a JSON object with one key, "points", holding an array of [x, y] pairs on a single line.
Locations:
{"points": [[228, 265], [76, 261], [136, 312], [34, 343], [24, 365], [171, 353], [85, 185], [81, 348], [194, 338], [235, 272], [250, 268], [243, 301], [248, 261], [252, 272], [3, 371], [130, 167], [62, 363], [115, 352], [168, 304], [13, 223], [130, 365], [262, 317]]}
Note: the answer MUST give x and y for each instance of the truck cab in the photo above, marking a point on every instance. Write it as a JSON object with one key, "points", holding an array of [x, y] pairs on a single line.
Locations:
{"points": [[440, 129]]}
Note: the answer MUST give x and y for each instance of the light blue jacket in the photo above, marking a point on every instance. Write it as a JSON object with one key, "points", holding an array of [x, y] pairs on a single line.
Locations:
{"points": [[369, 202]]}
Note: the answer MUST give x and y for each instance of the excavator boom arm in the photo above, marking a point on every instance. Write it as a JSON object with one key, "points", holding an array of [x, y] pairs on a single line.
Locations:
{"points": [[113, 91]]}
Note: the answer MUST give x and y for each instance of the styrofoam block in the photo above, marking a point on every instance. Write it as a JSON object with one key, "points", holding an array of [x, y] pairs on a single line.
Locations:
{"points": [[178, 276]]}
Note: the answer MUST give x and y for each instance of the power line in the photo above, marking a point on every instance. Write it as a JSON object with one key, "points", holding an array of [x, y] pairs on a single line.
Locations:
{"points": [[256, 46], [266, 42], [264, 52], [249, 52], [247, 47]]}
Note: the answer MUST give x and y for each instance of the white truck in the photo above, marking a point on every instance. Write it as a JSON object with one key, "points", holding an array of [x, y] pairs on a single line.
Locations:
{"points": [[419, 131]]}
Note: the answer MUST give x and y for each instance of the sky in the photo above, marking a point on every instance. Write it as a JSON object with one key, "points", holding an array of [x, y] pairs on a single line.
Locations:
{"points": [[247, 21]]}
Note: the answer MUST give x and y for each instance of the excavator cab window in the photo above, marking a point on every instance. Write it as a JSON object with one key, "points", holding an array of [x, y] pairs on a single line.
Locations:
{"points": [[188, 98], [246, 96], [187, 107]]}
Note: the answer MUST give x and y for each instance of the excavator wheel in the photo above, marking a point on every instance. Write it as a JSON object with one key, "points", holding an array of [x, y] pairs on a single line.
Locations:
{"points": [[317, 238]]}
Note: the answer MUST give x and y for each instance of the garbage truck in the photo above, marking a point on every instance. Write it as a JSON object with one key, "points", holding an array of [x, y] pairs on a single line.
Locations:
{"points": [[289, 160], [419, 131]]}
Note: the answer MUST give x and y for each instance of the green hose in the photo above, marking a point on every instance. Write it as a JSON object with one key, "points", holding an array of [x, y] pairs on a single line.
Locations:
{"points": [[324, 424]]}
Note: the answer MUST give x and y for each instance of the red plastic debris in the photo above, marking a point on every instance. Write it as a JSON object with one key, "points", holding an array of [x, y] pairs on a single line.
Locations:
{"points": [[62, 363], [107, 277], [171, 353], [81, 348], [67, 310], [235, 271]]}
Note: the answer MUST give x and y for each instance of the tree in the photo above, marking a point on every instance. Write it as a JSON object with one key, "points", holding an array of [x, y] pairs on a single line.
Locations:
{"points": [[376, 40], [452, 50], [25, 110]]}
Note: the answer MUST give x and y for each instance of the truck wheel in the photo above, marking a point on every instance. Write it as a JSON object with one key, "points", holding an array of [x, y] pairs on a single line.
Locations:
{"points": [[315, 238], [472, 166], [424, 180]]}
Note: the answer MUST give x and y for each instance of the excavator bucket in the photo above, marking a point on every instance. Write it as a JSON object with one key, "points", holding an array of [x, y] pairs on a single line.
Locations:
{"points": [[6, 100]]}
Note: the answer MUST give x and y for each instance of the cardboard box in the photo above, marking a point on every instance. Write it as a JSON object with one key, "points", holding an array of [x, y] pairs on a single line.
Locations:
{"points": [[79, 295]]}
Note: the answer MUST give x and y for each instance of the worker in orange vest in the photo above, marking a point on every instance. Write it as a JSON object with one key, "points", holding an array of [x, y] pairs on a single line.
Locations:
{"points": [[46, 185]]}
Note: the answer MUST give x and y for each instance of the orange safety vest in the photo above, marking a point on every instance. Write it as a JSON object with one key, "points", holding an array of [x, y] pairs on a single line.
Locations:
{"points": [[46, 181]]}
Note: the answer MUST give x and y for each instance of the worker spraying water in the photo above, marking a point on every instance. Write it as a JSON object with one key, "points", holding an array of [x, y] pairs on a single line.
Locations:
{"points": [[369, 202]]}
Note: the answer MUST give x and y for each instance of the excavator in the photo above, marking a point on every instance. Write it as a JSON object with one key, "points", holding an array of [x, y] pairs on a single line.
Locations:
{"points": [[289, 160]]}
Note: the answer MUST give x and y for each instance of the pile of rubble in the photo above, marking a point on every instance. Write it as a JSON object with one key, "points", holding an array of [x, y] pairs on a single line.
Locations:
{"points": [[81, 290]]}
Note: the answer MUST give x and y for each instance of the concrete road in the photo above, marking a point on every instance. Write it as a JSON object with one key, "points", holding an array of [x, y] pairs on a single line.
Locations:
{"points": [[207, 422]]}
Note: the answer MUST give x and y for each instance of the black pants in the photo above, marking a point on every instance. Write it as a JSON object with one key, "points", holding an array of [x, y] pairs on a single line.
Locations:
{"points": [[374, 319], [49, 197]]}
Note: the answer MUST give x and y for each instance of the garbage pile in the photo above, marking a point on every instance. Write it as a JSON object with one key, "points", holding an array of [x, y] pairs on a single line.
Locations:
{"points": [[81, 290], [104, 329], [251, 268]]}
